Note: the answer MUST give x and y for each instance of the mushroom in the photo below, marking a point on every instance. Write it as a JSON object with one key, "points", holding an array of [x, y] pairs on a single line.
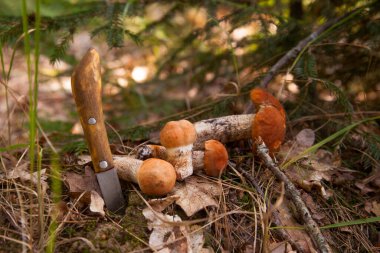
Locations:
{"points": [[154, 176], [224, 129], [178, 138], [240, 127], [213, 160], [270, 120], [261, 98]]}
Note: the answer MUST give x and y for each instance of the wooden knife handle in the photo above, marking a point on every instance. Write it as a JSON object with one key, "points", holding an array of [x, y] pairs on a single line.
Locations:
{"points": [[86, 87]]}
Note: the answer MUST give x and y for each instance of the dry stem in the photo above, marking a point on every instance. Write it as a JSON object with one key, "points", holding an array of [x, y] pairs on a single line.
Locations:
{"points": [[292, 192]]}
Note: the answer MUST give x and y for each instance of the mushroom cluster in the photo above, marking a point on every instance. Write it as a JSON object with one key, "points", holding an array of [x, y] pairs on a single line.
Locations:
{"points": [[197, 148]]}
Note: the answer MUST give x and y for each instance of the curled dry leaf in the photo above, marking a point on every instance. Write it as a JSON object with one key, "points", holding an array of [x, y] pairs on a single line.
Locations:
{"points": [[87, 188], [159, 205], [22, 172], [310, 171], [196, 193], [167, 236], [96, 203]]}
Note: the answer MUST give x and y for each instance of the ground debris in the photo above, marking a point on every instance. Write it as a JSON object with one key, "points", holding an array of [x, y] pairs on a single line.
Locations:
{"points": [[86, 189], [196, 193]]}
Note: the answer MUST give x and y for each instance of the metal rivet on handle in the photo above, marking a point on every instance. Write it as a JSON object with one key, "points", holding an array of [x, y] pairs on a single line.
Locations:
{"points": [[103, 164], [92, 121]]}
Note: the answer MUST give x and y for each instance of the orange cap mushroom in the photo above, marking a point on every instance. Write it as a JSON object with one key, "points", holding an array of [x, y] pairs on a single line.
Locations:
{"points": [[177, 134], [215, 158], [261, 97], [178, 138], [269, 121], [156, 177]]}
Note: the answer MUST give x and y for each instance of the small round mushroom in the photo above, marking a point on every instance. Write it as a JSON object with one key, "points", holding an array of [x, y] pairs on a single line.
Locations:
{"points": [[154, 176], [178, 138], [270, 120], [213, 159]]}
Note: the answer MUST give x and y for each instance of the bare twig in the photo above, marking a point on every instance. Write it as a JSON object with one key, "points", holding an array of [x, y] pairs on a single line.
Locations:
{"points": [[292, 192], [275, 215]]}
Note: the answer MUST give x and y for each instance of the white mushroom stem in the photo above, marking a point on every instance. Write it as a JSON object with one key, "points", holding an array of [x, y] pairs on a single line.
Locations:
{"points": [[127, 167], [224, 129], [150, 151], [181, 159], [198, 160]]}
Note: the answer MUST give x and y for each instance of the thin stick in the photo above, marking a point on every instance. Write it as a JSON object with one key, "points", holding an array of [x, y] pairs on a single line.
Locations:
{"points": [[275, 215], [292, 192]]}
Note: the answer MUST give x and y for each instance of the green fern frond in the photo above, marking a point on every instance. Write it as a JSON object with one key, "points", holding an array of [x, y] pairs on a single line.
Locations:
{"points": [[10, 30], [60, 50], [306, 67], [342, 98], [115, 32]]}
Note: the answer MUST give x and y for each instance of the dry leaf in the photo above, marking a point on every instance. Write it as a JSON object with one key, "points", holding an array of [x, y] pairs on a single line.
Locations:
{"points": [[364, 188], [298, 235], [22, 172], [196, 193], [305, 138], [97, 203], [78, 184], [83, 159], [86, 188], [160, 204], [167, 236], [373, 207]]}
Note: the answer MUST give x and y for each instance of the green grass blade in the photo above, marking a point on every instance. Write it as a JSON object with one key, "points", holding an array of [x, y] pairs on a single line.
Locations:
{"points": [[13, 147], [56, 189], [328, 139], [351, 223]]}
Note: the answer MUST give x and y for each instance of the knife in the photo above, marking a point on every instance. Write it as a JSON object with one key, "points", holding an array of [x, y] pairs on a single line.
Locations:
{"points": [[86, 87]]}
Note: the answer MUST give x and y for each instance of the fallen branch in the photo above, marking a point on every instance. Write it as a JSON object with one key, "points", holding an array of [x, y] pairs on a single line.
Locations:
{"points": [[292, 192], [275, 215]]}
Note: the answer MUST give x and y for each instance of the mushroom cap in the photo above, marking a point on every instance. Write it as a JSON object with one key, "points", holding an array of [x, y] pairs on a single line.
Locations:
{"points": [[269, 124], [261, 98], [156, 177], [177, 134], [215, 158]]}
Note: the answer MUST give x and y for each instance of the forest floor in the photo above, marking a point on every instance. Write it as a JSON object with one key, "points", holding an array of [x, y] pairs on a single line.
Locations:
{"points": [[330, 156]]}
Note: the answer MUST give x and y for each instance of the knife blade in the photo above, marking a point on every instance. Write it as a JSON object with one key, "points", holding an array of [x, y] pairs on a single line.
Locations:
{"points": [[86, 88]]}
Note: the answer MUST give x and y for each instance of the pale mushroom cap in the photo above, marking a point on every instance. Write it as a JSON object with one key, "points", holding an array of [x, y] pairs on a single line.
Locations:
{"points": [[156, 177], [215, 158], [262, 98], [270, 125], [177, 134]]}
